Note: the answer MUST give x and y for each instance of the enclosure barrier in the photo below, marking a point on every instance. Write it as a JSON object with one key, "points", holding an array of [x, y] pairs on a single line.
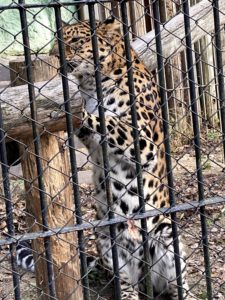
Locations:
{"points": [[172, 39]]}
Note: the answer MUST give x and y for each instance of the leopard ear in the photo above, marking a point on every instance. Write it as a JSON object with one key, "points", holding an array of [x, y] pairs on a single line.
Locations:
{"points": [[110, 26], [64, 24]]}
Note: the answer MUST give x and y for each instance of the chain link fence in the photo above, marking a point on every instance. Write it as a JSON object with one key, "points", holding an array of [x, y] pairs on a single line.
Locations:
{"points": [[90, 208]]}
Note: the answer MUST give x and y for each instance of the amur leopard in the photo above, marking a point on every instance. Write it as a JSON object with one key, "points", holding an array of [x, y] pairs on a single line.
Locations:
{"points": [[79, 54]]}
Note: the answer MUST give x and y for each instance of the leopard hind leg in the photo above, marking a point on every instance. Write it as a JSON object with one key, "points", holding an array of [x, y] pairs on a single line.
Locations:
{"points": [[163, 268], [127, 290], [129, 271]]}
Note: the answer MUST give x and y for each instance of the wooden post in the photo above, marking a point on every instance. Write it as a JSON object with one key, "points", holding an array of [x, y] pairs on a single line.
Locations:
{"points": [[58, 192], [175, 83], [60, 212], [211, 105], [44, 67], [172, 33], [206, 79]]}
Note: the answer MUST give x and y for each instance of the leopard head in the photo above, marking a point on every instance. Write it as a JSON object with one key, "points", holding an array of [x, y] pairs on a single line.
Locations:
{"points": [[79, 52]]}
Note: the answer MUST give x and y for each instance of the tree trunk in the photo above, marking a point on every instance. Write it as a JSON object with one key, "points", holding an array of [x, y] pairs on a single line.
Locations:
{"points": [[59, 212], [58, 191]]}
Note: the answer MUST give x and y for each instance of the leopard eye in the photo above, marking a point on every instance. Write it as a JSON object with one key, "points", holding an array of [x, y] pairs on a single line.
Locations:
{"points": [[75, 39]]}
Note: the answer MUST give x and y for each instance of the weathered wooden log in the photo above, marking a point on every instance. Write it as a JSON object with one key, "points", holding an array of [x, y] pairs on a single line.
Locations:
{"points": [[50, 108], [59, 212], [44, 67], [51, 118], [49, 97]]}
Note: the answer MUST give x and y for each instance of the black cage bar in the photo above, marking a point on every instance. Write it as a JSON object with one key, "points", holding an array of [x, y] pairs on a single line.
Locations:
{"points": [[112, 219], [104, 149], [37, 146]]}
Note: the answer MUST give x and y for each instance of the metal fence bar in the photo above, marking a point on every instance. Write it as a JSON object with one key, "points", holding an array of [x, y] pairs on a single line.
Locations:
{"points": [[219, 66], [142, 215], [37, 147], [147, 258], [104, 145], [84, 226], [169, 167], [51, 4], [71, 142], [8, 206], [197, 145]]}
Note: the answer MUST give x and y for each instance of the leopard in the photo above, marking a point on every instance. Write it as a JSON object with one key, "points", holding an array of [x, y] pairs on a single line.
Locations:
{"points": [[122, 170]]}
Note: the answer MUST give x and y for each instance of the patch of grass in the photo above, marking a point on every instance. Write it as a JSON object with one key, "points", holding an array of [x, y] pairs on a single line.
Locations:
{"points": [[209, 222], [212, 135], [221, 217], [203, 295], [206, 166]]}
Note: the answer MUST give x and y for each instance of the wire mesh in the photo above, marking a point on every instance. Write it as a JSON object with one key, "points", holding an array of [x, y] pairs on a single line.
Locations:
{"points": [[112, 148]]}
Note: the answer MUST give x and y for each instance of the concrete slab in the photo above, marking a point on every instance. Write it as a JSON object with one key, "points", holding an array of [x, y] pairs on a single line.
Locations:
{"points": [[83, 159], [78, 143], [4, 84], [85, 177], [4, 71], [16, 171]]}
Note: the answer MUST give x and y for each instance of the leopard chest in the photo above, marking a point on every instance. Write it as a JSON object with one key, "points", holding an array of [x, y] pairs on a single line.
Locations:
{"points": [[124, 189], [123, 186]]}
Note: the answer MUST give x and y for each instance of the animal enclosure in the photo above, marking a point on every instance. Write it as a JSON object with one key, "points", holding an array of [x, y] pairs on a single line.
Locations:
{"points": [[53, 178]]}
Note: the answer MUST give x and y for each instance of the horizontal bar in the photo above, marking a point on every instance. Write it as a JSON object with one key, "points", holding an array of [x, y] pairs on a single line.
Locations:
{"points": [[51, 4], [102, 223]]}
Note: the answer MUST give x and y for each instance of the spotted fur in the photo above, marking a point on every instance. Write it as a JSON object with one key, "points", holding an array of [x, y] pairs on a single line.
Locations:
{"points": [[24, 256], [121, 156]]}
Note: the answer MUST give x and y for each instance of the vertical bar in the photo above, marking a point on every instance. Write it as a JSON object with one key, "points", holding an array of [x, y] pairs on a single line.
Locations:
{"points": [[114, 8], [72, 146], [102, 12], [165, 116], [197, 144], [47, 246], [106, 165], [80, 12], [147, 16], [147, 259], [9, 207], [132, 19], [219, 67]]}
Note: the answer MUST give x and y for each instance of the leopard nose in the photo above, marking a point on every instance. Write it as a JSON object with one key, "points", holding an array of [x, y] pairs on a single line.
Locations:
{"points": [[69, 68], [71, 65]]}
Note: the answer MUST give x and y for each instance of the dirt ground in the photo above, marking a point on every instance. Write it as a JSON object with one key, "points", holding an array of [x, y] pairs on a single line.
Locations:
{"points": [[189, 223]]}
